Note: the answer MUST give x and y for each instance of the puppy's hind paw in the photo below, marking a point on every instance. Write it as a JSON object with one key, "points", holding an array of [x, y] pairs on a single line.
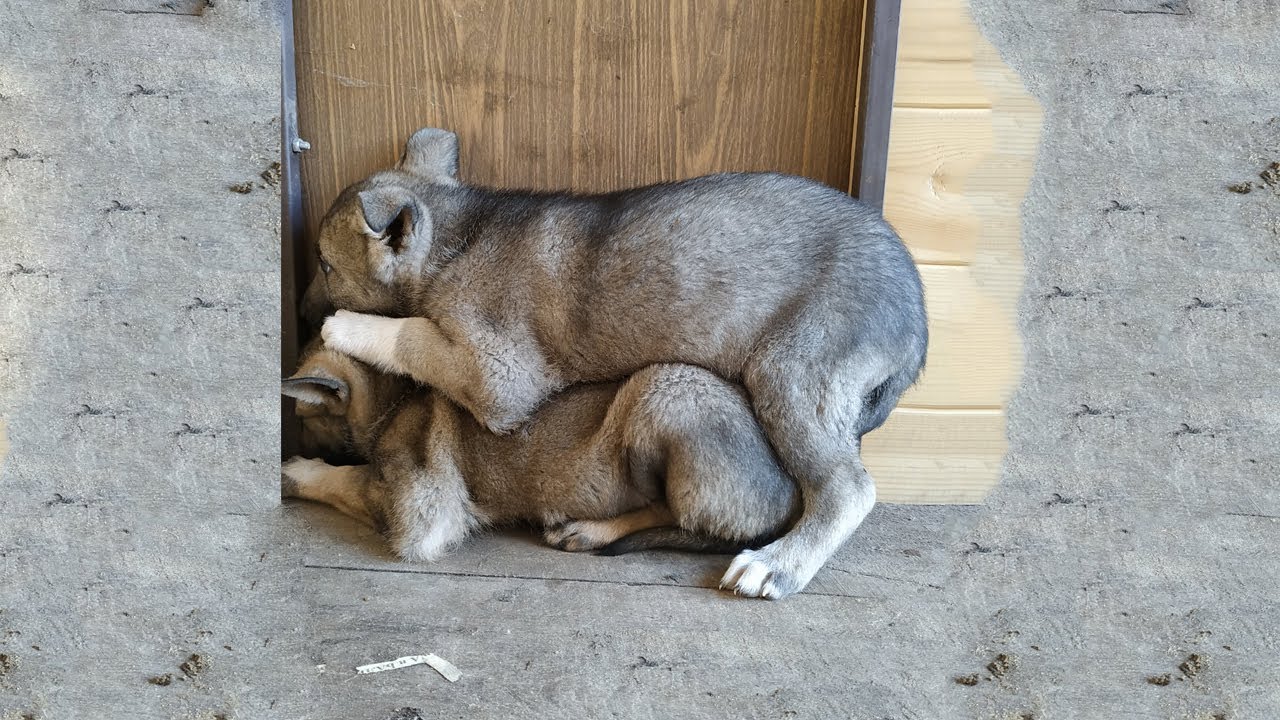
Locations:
{"points": [[579, 535], [753, 574]]}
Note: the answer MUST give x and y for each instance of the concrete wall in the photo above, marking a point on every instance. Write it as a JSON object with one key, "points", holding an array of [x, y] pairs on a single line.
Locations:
{"points": [[139, 352], [1135, 522]]}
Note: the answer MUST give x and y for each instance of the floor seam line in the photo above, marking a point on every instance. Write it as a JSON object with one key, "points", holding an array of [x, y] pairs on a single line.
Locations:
{"points": [[626, 583]]}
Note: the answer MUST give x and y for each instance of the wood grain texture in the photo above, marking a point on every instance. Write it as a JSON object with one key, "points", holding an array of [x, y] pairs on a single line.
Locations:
{"points": [[936, 456], [972, 338], [577, 93], [936, 50], [937, 84], [961, 153], [932, 153]]}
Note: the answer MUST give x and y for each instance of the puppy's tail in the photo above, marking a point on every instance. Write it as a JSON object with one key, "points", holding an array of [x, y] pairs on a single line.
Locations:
{"points": [[884, 398], [671, 538]]}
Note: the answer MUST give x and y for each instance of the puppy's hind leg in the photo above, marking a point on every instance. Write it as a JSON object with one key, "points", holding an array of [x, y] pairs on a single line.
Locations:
{"points": [[345, 488], [811, 411], [428, 509], [722, 480], [580, 535]]}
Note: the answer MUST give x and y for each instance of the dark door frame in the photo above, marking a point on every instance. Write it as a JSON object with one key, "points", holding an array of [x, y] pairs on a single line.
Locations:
{"points": [[292, 266], [875, 100]]}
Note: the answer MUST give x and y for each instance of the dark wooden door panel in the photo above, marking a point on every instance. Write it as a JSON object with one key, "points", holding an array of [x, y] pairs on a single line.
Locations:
{"points": [[586, 94]]}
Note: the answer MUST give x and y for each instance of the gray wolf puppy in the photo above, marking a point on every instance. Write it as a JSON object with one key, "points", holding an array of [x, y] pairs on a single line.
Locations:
{"points": [[502, 298], [672, 457]]}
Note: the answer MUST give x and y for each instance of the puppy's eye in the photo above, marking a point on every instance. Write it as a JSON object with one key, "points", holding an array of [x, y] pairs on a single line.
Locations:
{"points": [[325, 267]]}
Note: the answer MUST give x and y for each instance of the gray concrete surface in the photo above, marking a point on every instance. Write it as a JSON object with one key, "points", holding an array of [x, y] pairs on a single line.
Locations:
{"points": [[139, 346], [1125, 567]]}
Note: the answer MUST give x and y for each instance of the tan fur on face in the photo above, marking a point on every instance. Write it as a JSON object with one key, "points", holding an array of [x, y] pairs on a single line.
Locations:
{"points": [[355, 273]]}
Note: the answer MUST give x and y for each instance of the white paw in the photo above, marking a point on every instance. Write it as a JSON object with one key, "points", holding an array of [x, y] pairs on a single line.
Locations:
{"points": [[746, 575], [756, 573], [371, 338]]}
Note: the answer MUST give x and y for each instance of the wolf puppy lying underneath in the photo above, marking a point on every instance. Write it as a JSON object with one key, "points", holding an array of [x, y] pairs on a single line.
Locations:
{"points": [[672, 457], [502, 298]]}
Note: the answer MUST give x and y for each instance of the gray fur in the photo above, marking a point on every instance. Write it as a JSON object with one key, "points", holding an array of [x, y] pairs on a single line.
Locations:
{"points": [[673, 445], [800, 292], [314, 389], [432, 154], [381, 208]]}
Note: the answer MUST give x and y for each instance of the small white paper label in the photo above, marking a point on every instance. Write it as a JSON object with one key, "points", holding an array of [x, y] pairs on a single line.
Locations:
{"points": [[439, 664]]}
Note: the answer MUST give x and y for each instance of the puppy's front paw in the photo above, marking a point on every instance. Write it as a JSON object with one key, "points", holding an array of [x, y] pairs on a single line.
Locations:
{"points": [[371, 338]]}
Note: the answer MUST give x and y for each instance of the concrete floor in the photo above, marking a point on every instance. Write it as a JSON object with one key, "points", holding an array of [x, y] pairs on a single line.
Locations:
{"points": [[1125, 567]]}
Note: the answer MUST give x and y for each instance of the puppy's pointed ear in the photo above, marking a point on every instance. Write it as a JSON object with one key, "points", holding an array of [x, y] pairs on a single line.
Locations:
{"points": [[432, 153], [317, 390], [387, 206], [401, 232]]}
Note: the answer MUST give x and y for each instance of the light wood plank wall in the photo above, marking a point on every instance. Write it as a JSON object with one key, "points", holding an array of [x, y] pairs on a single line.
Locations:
{"points": [[961, 150]]}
